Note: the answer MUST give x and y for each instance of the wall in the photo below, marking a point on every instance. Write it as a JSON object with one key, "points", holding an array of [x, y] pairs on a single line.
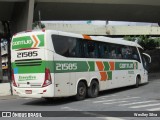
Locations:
{"points": [[155, 65]]}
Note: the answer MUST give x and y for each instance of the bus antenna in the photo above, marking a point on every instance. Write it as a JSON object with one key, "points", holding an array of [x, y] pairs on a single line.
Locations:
{"points": [[39, 16]]}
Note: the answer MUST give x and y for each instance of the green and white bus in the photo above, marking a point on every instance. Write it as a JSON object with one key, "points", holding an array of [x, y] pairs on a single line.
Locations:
{"points": [[49, 63]]}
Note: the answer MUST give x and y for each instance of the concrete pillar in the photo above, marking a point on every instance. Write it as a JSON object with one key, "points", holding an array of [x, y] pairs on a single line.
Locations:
{"points": [[30, 14], [22, 16]]}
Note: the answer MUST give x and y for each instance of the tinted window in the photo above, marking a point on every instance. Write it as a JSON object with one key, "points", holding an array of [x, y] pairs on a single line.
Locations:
{"points": [[126, 52], [119, 52], [145, 63], [112, 50], [135, 55], [90, 49], [77, 47], [66, 46], [115, 51], [103, 50]]}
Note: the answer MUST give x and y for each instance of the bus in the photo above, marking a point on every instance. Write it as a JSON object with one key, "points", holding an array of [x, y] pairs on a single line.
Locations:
{"points": [[50, 64]]}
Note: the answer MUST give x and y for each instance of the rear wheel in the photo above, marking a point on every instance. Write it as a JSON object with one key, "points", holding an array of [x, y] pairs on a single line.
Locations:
{"points": [[81, 91], [93, 90]]}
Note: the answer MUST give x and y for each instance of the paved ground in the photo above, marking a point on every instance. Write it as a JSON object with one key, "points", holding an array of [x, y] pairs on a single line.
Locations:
{"points": [[144, 98]]}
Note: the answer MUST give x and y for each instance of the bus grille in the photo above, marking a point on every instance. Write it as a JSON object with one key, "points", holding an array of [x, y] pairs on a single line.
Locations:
{"points": [[28, 62]]}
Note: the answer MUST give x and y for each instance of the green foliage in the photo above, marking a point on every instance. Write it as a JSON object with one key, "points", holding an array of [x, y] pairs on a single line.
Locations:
{"points": [[148, 43], [39, 24]]}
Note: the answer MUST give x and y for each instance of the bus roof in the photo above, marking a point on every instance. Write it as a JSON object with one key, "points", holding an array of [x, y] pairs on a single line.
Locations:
{"points": [[120, 41]]}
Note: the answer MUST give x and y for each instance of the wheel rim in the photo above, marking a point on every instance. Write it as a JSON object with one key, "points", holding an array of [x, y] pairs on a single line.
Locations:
{"points": [[81, 91]]}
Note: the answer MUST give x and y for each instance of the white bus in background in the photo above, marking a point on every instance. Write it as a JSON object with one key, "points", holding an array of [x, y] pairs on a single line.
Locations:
{"points": [[48, 64]]}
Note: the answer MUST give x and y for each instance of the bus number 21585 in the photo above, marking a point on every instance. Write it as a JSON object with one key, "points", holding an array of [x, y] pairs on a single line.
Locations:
{"points": [[27, 54], [66, 66]]}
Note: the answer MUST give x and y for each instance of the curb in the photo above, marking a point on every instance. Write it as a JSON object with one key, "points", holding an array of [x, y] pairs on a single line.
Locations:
{"points": [[9, 97]]}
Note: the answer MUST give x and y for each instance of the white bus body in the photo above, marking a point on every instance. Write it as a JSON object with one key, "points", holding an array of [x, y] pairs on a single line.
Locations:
{"points": [[50, 63]]}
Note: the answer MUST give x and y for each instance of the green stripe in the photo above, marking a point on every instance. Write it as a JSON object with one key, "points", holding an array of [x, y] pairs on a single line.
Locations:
{"points": [[91, 65], [125, 65], [70, 66], [109, 75], [50, 65], [107, 67], [29, 69]]}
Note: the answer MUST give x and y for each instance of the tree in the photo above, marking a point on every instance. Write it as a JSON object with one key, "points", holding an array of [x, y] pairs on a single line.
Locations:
{"points": [[148, 43]]}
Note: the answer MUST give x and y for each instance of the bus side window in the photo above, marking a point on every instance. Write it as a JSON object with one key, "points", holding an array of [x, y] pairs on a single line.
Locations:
{"points": [[72, 47], [103, 50], [61, 45], [76, 48], [67, 46], [90, 49], [80, 49], [126, 52], [119, 52], [106, 51], [113, 51], [85, 50], [135, 55]]}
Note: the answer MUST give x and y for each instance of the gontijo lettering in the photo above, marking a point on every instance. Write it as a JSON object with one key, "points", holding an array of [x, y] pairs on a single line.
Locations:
{"points": [[29, 41], [22, 42], [126, 65]]}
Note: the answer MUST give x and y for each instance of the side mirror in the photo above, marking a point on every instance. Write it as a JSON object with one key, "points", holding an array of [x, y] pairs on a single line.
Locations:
{"points": [[148, 57]]}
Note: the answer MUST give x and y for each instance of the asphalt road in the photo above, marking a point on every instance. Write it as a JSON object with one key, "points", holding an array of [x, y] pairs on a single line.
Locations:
{"points": [[145, 98]]}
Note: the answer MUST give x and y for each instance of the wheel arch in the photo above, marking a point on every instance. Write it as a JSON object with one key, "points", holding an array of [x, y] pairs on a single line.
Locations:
{"points": [[138, 76], [96, 79]]}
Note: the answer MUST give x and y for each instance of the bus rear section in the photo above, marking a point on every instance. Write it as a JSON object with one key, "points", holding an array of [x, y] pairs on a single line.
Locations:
{"points": [[31, 77]]}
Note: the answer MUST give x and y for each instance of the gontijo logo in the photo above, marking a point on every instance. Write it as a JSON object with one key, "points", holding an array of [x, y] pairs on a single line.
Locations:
{"points": [[22, 42], [28, 41]]}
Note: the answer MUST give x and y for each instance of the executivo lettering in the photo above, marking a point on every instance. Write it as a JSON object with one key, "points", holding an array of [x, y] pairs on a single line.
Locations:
{"points": [[24, 78]]}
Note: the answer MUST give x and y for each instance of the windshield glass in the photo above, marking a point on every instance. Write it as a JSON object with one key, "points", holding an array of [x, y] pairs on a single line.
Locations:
{"points": [[145, 59]]}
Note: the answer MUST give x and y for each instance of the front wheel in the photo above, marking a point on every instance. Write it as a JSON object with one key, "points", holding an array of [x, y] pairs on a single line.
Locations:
{"points": [[93, 90], [81, 91], [137, 82]]}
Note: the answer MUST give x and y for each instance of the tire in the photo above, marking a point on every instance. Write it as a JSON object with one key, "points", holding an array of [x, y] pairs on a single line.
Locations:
{"points": [[137, 82], [81, 91], [93, 90]]}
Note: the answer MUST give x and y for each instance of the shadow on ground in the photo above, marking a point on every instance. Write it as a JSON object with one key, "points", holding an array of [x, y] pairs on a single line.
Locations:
{"points": [[66, 100]]}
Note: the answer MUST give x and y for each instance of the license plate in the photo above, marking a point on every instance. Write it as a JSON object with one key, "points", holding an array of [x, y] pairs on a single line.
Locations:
{"points": [[28, 91]]}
